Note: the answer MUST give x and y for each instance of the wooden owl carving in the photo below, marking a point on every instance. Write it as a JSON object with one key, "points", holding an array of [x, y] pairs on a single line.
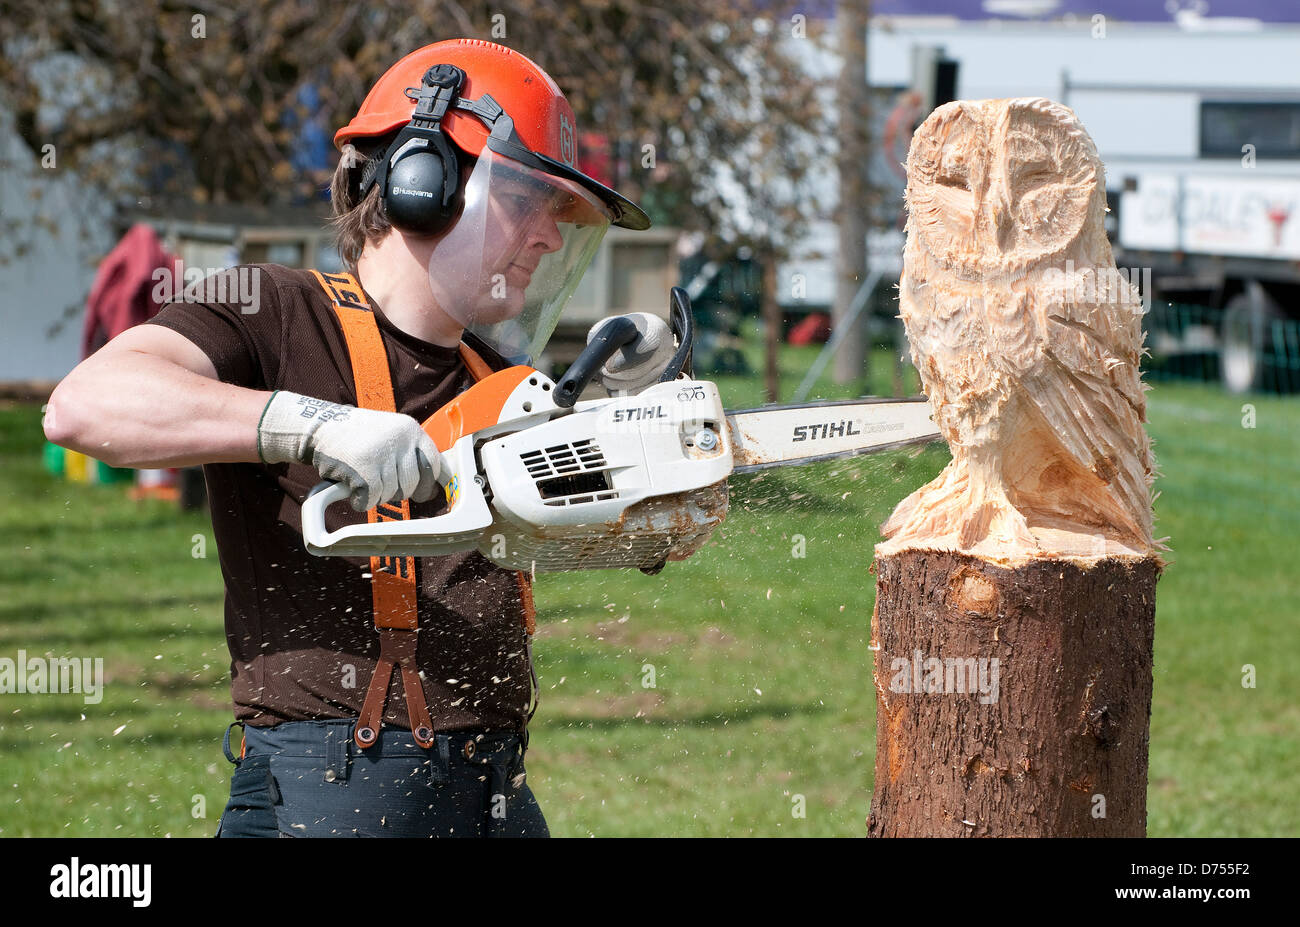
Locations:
{"points": [[1026, 338]]}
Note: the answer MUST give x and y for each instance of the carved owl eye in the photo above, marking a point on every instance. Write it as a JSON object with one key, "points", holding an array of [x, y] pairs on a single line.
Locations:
{"points": [[1047, 182], [954, 172], [947, 167]]}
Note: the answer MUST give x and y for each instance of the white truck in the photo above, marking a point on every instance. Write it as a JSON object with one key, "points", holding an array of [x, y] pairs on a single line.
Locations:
{"points": [[1230, 241], [1196, 114]]}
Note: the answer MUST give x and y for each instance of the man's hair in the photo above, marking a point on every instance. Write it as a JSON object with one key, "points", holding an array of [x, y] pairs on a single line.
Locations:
{"points": [[355, 222]]}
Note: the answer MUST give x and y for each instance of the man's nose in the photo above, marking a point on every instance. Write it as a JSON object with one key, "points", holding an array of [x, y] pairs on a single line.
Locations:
{"points": [[545, 233]]}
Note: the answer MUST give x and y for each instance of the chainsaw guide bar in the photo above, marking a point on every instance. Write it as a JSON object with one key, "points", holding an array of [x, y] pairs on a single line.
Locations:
{"points": [[782, 436]]}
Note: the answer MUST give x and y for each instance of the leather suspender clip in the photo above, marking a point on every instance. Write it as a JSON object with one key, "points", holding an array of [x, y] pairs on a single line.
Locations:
{"points": [[396, 648]]}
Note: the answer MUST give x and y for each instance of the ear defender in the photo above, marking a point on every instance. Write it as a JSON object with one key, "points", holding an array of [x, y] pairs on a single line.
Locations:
{"points": [[419, 173]]}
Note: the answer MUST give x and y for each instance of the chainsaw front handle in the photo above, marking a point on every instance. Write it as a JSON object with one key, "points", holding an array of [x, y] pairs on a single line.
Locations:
{"points": [[612, 337], [682, 319], [461, 528]]}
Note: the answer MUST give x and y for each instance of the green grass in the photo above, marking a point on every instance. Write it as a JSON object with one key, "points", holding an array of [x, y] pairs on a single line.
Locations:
{"points": [[762, 675]]}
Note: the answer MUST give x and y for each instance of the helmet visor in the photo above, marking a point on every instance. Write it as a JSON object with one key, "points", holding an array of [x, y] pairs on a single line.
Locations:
{"points": [[506, 267]]}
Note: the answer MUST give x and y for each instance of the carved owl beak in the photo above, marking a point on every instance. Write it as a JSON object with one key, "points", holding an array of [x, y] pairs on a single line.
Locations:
{"points": [[1003, 218]]}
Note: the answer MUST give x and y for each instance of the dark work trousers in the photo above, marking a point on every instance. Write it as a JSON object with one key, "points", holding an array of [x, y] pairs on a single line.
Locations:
{"points": [[310, 779]]}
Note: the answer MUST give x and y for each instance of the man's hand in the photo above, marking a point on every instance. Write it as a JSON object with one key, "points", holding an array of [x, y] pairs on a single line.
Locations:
{"points": [[381, 456], [640, 363]]}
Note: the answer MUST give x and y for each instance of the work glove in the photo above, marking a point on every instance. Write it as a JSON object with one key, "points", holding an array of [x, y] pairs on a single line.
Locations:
{"points": [[380, 456], [640, 363]]}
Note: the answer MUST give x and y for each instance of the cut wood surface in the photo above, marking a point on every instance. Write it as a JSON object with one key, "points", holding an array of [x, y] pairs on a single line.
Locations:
{"points": [[1030, 558]]}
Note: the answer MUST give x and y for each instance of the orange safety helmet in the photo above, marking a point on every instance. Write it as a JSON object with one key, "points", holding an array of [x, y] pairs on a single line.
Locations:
{"points": [[544, 132]]}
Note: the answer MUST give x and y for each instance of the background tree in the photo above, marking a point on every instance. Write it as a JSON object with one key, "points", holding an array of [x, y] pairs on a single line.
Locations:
{"points": [[709, 115]]}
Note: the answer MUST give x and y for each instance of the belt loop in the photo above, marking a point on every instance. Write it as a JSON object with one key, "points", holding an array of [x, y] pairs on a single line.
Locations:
{"points": [[338, 762], [516, 769], [440, 760], [225, 742]]}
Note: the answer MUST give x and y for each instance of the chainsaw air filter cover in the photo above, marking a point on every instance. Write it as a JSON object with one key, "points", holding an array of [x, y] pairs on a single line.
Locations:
{"points": [[623, 482]]}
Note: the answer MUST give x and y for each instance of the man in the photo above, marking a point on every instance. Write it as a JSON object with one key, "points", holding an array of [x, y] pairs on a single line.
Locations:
{"points": [[466, 227]]}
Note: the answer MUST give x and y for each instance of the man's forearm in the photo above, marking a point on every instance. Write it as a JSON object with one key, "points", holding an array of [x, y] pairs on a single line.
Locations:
{"points": [[137, 410]]}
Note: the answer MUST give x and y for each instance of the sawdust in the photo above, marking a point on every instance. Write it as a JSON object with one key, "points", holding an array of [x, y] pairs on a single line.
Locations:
{"points": [[627, 635]]}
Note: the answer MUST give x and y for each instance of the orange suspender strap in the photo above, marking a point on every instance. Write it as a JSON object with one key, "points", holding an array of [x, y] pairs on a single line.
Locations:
{"points": [[392, 579], [479, 369]]}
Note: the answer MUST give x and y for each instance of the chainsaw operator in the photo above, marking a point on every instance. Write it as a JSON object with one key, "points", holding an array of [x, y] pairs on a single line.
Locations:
{"points": [[377, 696]]}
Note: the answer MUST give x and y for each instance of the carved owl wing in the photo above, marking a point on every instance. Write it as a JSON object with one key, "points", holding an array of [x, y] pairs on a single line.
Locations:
{"points": [[1088, 386], [941, 294], [1085, 376]]}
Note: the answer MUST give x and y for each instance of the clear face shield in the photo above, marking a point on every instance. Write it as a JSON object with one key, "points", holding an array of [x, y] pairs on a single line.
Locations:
{"points": [[510, 262]]}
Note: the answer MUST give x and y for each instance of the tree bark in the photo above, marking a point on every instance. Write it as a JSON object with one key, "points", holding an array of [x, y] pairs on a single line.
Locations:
{"points": [[1053, 740], [853, 104], [773, 329]]}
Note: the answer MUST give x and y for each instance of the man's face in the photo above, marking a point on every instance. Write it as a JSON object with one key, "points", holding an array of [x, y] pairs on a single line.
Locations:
{"points": [[515, 252], [524, 215]]}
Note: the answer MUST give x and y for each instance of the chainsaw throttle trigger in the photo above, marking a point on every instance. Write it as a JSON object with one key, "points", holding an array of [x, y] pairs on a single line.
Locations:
{"points": [[460, 528], [610, 339]]}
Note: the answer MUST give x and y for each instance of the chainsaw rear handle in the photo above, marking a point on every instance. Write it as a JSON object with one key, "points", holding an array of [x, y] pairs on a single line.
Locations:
{"points": [[609, 339], [460, 528]]}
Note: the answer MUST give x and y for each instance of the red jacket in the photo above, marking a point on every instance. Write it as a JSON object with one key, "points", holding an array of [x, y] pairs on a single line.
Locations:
{"points": [[122, 294]]}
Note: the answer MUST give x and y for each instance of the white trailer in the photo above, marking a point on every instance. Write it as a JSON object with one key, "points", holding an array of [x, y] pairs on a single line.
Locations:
{"points": [[1198, 124]]}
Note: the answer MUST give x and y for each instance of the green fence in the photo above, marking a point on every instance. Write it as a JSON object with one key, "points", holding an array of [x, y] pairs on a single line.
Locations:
{"points": [[1183, 341], [1282, 372]]}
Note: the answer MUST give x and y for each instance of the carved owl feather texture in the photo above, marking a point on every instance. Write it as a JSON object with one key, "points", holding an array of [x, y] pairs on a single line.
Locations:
{"points": [[1027, 339]]}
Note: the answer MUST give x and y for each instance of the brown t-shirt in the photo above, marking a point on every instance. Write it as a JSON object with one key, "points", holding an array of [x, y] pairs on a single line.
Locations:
{"points": [[301, 628]]}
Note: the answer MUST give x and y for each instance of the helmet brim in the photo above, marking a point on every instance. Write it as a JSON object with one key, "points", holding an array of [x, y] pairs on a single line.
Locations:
{"points": [[623, 212]]}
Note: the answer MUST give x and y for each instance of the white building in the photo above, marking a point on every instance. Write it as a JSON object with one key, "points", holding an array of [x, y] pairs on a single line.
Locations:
{"points": [[1161, 100]]}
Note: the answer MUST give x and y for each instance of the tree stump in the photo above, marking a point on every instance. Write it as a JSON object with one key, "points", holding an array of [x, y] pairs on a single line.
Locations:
{"points": [[1015, 593]]}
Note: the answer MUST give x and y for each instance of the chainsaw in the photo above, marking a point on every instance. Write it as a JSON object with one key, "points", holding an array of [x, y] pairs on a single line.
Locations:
{"points": [[542, 481]]}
